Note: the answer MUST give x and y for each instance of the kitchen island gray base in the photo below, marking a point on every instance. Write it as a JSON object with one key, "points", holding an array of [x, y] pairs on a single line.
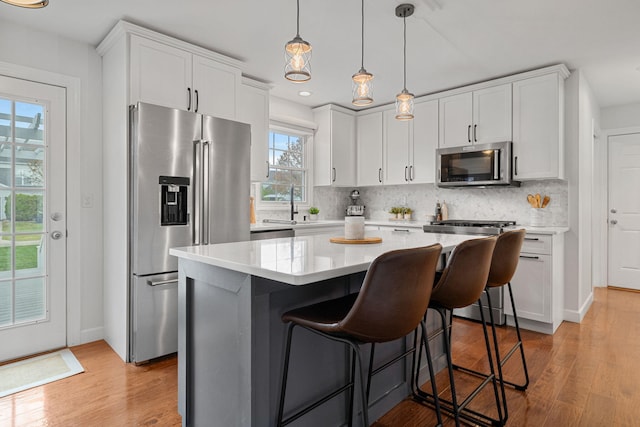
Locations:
{"points": [[230, 352]]}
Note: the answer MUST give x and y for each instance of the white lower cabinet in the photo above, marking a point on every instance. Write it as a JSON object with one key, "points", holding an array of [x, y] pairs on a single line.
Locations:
{"points": [[337, 229], [537, 285]]}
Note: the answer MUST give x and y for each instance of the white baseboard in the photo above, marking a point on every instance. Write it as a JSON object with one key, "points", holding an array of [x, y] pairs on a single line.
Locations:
{"points": [[90, 335], [577, 316]]}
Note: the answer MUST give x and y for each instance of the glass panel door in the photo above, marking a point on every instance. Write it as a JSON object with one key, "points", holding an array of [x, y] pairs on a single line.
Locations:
{"points": [[32, 218], [23, 293]]}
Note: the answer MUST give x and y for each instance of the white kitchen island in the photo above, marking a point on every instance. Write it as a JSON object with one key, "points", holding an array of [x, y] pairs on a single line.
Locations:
{"points": [[230, 347]]}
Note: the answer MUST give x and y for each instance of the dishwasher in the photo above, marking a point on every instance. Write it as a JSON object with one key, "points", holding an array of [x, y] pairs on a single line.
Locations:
{"points": [[271, 234]]}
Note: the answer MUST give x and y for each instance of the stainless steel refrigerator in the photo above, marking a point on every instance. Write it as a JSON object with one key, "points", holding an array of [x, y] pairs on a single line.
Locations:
{"points": [[189, 185]]}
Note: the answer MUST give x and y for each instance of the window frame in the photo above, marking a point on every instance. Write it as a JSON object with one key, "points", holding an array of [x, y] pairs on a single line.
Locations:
{"points": [[307, 151]]}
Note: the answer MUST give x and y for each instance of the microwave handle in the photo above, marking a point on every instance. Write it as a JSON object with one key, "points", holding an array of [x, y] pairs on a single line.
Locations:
{"points": [[496, 164]]}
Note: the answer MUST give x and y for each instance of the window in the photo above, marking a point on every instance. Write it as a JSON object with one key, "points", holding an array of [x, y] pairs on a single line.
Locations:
{"points": [[287, 167]]}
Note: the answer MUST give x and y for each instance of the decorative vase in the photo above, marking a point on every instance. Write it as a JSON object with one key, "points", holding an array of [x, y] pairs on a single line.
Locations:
{"points": [[399, 216], [313, 217], [407, 216]]}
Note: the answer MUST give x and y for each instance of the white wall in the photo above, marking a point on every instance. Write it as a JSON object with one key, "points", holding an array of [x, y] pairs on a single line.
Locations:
{"points": [[582, 115], [620, 117], [49, 52]]}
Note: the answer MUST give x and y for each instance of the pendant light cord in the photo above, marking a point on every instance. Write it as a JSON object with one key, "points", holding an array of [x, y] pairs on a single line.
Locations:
{"points": [[297, 18], [362, 38], [404, 20]]}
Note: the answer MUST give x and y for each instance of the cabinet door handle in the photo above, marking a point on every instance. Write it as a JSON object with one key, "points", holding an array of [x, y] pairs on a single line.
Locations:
{"points": [[404, 230], [515, 161], [531, 239], [469, 133], [333, 178], [267, 162], [475, 132], [189, 99], [529, 257], [197, 101], [380, 174], [405, 173], [411, 174]]}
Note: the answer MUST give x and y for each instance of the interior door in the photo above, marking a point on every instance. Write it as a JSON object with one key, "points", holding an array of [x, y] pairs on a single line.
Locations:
{"points": [[32, 217], [624, 211]]}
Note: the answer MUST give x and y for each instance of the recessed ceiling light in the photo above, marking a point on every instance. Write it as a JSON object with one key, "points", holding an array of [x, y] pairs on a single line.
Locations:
{"points": [[304, 93]]}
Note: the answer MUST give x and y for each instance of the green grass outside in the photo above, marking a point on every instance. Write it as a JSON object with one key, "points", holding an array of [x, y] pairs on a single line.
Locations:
{"points": [[23, 227], [26, 257]]}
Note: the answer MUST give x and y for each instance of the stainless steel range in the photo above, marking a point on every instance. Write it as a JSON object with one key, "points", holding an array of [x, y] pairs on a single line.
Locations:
{"points": [[481, 228]]}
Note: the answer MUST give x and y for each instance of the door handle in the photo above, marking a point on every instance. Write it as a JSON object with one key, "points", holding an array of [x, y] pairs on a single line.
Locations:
{"points": [[405, 173], [333, 178], [411, 174], [161, 282], [380, 174], [267, 168], [614, 211], [613, 221], [475, 132], [56, 216], [189, 99], [197, 101], [469, 133], [529, 257], [56, 235]]}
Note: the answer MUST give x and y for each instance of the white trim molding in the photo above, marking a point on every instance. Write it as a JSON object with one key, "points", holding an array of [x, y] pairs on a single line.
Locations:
{"points": [[74, 250], [577, 316]]}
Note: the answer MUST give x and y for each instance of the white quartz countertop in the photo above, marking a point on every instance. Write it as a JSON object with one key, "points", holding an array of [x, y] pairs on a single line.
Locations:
{"points": [[307, 259], [267, 226]]}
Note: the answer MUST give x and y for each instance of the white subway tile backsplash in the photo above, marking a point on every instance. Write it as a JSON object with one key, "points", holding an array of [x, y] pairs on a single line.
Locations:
{"points": [[507, 203]]}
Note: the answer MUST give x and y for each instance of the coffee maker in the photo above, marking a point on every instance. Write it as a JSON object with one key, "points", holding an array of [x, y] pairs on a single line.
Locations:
{"points": [[355, 209]]}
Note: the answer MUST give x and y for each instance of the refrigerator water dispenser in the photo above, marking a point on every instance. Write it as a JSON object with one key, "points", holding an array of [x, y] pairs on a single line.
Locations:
{"points": [[173, 200]]}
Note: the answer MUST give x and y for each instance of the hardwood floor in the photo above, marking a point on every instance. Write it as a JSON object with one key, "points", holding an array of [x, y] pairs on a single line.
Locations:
{"points": [[584, 375]]}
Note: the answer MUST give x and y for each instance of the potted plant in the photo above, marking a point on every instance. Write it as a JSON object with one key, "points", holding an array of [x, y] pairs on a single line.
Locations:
{"points": [[407, 213], [396, 211], [313, 213]]}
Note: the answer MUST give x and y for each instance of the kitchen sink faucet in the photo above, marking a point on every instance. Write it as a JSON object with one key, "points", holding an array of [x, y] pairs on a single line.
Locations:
{"points": [[293, 209]]}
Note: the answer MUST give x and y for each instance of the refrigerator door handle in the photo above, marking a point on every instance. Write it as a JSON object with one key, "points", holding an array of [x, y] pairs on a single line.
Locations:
{"points": [[197, 191], [205, 192]]}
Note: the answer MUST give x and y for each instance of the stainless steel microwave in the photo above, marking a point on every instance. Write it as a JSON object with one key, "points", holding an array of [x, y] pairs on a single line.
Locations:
{"points": [[475, 165]]}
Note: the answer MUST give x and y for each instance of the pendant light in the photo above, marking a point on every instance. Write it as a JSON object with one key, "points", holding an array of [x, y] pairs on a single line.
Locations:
{"points": [[32, 4], [297, 53], [362, 80], [404, 100]]}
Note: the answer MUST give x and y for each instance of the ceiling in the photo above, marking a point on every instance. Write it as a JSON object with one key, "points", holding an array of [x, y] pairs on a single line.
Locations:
{"points": [[450, 43]]}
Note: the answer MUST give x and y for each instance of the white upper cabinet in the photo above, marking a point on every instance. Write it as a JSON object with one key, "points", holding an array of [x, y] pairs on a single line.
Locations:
{"points": [[538, 149], [215, 86], [172, 77], [479, 117], [456, 115], [409, 146], [369, 149], [160, 74], [425, 141], [397, 136], [253, 108], [334, 147]]}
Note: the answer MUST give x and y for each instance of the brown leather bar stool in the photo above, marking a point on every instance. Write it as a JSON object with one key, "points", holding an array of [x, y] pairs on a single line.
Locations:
{"points": [[503, 266], [461, 284], [391, 303]]}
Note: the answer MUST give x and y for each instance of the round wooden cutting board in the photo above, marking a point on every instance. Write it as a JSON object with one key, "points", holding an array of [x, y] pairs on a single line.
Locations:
{"points": [[366, 240]]}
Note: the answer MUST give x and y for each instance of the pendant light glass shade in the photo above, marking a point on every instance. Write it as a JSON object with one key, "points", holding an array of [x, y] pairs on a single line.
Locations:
{"points": [[32, 4], [297, 55], [362, 80], [362, 88], [404, 100], [404, 105]]}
